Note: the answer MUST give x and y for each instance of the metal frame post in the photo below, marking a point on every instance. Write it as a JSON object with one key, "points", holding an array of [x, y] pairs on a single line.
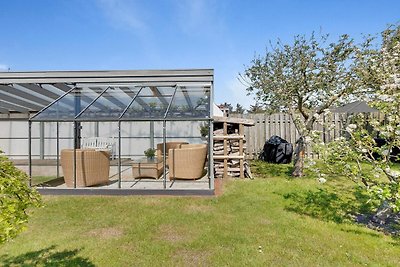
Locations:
{"points": [[119, 154], [96, 128], [58, 148], [41, 138], [210, 154], [30, 151], [75, 144], [164, 153], [152, 134], [211, 138]]}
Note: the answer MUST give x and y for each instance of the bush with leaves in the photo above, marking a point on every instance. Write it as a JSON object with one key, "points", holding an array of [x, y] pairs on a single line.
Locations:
{"points": [[359, 156], [16, 197]]}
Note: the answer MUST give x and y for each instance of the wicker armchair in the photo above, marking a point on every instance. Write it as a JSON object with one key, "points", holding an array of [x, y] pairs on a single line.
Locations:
{"points": [[92, 167], [187, 162], [168, 146]]}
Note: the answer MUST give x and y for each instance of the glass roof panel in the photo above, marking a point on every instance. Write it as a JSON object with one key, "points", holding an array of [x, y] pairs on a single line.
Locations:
{"points": [[190, 102], [70, 105], [111, 104], [151, 103], [102, 102]]}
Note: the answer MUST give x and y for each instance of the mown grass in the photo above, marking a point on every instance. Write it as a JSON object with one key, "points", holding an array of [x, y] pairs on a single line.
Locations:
{"points": [[273, 220]]}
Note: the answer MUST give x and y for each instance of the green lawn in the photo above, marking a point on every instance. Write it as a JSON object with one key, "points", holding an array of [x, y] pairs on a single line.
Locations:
{"points": [[272, 220]]}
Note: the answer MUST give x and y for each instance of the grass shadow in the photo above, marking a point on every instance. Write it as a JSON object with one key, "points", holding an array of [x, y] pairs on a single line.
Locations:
{"points": [[46, 257], [358, 232], [329, 205], [319, 204]]}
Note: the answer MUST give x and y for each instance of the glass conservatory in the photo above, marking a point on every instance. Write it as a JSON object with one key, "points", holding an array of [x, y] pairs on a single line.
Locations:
{"points": [[124, 133]]}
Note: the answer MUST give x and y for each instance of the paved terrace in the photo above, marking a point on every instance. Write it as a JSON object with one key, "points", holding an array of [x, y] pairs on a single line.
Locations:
{"points": [[47, 170]]}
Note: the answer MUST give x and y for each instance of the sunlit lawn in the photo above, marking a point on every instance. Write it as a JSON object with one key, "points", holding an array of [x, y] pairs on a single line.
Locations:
{"points": [[273, 220]]}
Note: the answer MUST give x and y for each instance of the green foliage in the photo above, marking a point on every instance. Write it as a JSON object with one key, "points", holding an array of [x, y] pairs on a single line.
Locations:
{"points": [[256, 108], [150, 152], [16, 197], [304, 78], [239, 109], [358, 156], [204, 129]]}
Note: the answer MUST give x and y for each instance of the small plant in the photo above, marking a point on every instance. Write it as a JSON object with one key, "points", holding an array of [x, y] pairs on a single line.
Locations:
{"points": [[204, 130], [150, 153]]}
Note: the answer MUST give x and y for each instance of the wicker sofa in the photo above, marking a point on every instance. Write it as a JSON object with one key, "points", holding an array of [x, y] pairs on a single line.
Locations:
{"points": [[92, 167], [187, 162]]}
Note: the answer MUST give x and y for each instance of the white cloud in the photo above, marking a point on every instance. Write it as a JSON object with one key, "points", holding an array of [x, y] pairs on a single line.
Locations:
{"points": [[133, 17], [199, 16], [4, 67], [233, 92], [123, 14]]}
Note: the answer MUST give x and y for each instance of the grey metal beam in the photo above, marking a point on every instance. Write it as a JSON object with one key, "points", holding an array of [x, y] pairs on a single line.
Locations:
{"points": [[91, 103], [111, 99], [130, 103], [20, 102], [62, 86], [14, 116], [136, 76], [157, 93], [138, 99], [143, 104], [41, 138], [4, 110], [187, 97], [49, 106], [170, 103], [84, 98], [17, 92], [12, 107], [38, 89]]}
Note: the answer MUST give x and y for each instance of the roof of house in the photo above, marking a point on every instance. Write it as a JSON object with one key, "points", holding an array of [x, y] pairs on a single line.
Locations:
{"points": [[355, 107]]}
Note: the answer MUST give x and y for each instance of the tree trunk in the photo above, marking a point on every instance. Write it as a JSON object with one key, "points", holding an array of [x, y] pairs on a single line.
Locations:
{"points": [[299, 158]]}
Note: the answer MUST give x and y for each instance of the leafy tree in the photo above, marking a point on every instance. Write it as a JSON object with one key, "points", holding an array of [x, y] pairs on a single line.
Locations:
{"points": [[256, 108], [305, 79], [359, 156], [16, 197], [239, 109]]}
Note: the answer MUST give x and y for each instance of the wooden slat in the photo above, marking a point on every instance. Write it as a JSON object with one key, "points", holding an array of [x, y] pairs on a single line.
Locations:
{"points": [[225, 157], [246, 121], [228, 157], [283, 126], [241, 165], [222, 137]]}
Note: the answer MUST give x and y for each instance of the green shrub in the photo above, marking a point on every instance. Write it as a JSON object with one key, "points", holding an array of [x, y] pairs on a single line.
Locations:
{"points": [[16, 197]]}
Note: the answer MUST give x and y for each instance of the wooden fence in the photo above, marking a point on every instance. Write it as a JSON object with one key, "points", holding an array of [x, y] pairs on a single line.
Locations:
{"points": [[281, 124]]}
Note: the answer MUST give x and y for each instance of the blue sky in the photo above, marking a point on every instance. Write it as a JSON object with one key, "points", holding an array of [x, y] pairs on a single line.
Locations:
{"points": [[172, 34]]}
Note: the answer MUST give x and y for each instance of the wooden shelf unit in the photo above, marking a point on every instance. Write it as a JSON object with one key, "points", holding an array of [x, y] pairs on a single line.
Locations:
{"points": [[231, 162]]}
